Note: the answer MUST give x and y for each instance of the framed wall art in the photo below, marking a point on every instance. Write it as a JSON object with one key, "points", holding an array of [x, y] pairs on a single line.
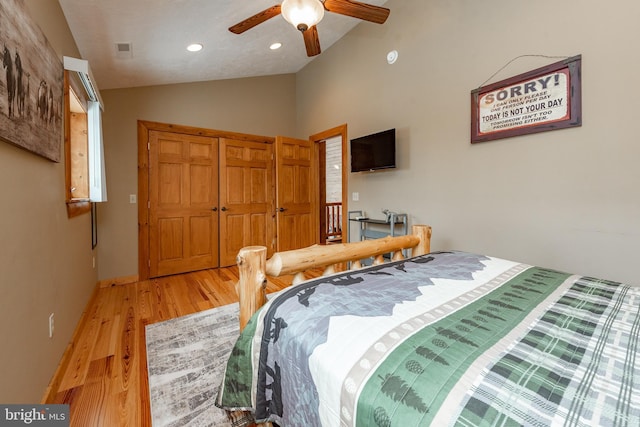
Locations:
{"points": [[543, 99], [31, 84]]}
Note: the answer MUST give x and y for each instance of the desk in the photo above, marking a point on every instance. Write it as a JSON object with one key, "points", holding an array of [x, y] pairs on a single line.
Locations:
{"points": [[377, 228]]}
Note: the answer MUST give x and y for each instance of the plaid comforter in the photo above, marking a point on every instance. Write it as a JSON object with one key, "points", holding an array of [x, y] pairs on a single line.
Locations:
{"points": [[442, 339]]}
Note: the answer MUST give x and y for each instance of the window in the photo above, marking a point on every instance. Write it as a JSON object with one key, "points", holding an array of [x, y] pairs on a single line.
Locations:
{"points": [[97, 178], [84, 159]]}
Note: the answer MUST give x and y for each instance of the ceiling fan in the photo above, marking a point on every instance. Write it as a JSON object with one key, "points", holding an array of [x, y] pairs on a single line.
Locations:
{"points": [[305, 14]]}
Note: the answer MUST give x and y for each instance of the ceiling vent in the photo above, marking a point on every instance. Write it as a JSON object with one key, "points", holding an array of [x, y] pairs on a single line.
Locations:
{"points": [[124, 50]]}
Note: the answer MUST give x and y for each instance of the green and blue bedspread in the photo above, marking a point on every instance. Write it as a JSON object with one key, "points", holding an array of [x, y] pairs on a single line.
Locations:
{"points": [[447, 338]]}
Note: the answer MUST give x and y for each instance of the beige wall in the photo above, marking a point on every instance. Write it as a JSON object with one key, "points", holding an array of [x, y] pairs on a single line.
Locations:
{"points": [[259, 106], [45, 258], [566, 199]]}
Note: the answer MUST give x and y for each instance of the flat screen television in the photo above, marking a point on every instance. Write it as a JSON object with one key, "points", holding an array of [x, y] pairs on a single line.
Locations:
{"points": [[374, 152]]}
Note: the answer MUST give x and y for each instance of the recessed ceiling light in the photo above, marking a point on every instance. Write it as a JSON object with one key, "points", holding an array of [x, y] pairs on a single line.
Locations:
{"points": [[194, 47], [275, 46]]}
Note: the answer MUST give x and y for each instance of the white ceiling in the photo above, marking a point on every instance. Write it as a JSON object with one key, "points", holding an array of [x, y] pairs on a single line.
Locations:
{"points": [[160, 30]]}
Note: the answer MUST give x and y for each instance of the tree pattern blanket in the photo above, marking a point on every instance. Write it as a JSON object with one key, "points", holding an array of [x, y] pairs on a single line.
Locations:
{"points": [[448, 338]]}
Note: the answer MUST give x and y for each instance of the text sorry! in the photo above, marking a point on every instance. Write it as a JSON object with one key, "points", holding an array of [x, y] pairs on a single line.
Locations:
{"points": [[524, 89]]}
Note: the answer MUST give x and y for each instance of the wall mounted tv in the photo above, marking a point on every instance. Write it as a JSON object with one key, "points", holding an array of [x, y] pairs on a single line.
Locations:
{"points": [[374, 152]]}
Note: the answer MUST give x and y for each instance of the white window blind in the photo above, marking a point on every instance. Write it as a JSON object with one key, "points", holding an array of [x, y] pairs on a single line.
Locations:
{"points": [[97, 176]]}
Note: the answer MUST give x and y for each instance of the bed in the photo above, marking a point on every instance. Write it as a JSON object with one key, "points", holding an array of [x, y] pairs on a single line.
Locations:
{"points": [[442, 338]]}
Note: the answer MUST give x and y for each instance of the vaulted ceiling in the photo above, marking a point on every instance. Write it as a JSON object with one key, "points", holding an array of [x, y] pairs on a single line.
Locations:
{"points": [[158, 32]]}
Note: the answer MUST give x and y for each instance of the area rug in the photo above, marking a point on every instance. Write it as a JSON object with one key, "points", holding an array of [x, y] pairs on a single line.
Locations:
{"points": [[186, 357]]}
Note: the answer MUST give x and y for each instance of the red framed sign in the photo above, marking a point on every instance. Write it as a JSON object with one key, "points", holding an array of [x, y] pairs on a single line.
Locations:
{"points": [[547, 98]]}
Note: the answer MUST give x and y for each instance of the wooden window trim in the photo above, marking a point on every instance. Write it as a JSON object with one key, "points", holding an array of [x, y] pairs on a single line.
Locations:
{"points": [[78, 207], [75, 206]]}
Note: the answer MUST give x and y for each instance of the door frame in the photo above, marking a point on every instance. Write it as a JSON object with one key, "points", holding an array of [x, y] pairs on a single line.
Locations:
{"points": [[318, 138], [144, 127]]}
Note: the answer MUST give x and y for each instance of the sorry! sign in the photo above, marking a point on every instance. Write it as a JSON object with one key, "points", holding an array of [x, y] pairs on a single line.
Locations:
{"points": [[544, 99]]}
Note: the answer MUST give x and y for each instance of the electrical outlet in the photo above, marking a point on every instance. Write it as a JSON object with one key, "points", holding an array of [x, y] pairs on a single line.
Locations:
{"points": [[51, 325], [133, 198]]}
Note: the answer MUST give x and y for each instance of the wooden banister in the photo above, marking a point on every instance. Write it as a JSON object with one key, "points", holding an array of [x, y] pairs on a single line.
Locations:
{"points": [[333, 220]]}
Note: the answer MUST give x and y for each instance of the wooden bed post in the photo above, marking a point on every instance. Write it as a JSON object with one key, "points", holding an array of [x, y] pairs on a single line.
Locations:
{"points": [[251, 288], [424, 233]]}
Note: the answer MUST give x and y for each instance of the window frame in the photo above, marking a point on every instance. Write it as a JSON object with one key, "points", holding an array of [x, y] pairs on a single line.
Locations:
{"points": [[75, 206]]}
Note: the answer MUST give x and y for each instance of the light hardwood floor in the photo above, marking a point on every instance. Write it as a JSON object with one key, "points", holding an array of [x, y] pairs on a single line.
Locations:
{"points": [[105, 378]]}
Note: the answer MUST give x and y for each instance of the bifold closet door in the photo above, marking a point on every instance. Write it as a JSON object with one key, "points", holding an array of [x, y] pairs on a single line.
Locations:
{"points": [[183, 203], [297, 189], [246, 197]]}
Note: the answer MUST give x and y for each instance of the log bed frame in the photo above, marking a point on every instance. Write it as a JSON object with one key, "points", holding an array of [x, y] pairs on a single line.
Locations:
{"points": [[254, 267]]}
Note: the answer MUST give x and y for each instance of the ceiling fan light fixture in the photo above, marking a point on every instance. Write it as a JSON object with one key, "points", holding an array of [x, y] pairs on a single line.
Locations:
{"points": [[302, 14]]}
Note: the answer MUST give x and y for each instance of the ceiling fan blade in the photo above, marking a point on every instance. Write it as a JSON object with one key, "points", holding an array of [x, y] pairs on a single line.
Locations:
{"points": [[256, 19], [367, 12], [311, 41]]}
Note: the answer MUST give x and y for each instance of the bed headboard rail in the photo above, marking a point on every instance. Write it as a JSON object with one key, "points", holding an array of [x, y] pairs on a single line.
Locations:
{"points": [[254, 267]]}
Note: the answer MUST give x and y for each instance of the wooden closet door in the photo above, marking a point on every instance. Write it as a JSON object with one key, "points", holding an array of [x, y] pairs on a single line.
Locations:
{"points": [[246, 197], [297, 190], [183, 203]]}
